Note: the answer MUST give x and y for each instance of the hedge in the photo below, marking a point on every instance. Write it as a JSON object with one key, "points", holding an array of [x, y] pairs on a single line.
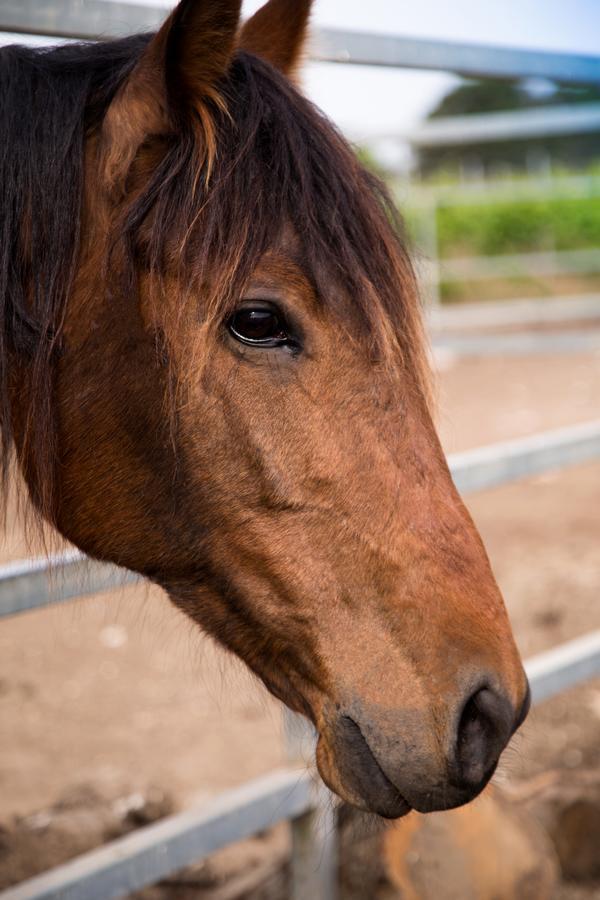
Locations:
{"points": [[519, 226]]}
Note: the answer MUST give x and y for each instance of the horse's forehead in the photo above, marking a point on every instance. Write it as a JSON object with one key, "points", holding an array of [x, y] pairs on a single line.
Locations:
{"points": [[284, 264]]}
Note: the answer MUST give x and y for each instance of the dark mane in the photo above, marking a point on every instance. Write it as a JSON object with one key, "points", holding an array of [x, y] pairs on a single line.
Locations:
{"points": [[50, 100], [278, 162]]}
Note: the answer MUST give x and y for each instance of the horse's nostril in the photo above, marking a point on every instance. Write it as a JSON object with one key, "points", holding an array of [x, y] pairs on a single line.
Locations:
{"points": [[483, 730]]}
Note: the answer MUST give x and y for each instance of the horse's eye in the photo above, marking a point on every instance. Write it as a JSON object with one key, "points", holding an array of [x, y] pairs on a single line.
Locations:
{"points": [[260, 325]]}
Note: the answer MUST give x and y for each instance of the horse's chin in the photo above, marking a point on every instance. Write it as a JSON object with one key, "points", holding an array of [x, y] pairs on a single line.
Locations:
{"points": [[369, 791]]}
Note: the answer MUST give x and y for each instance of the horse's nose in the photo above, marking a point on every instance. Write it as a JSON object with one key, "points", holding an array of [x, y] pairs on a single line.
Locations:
{"points": [[392, 762], [486, 723]]}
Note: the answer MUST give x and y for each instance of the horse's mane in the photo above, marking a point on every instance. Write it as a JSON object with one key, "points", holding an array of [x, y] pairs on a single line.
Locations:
{"points": [[278, 162], [50, 100]]}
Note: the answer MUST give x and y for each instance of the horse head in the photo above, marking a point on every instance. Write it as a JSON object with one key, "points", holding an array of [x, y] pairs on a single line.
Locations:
{"points": [[238, 402]]}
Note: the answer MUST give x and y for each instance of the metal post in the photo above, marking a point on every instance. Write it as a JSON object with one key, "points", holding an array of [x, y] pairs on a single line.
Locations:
{"points": [[313, 869], [429, 237], [314, 855]]}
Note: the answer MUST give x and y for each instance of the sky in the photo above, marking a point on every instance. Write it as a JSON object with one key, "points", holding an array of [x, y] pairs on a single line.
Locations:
{"points": [[367, 102]]}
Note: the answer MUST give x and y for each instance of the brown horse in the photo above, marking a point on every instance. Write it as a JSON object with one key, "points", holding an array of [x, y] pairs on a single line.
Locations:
{"points": [[213, 373]]}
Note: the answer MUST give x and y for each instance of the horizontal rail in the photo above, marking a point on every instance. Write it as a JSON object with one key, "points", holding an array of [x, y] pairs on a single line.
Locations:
{"points": [[488, 467], [468, 59], [461, 317], [29, 40], [520, 124], [40, 582], [64, 18], [521, 344], [584, 261], [564, 666], [154, 852], [86, 21], [149, 854], [505, 190]]}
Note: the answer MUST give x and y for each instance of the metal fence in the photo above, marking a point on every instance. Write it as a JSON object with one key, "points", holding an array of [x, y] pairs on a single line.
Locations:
{"points": [[435, 270], [154, 852]]}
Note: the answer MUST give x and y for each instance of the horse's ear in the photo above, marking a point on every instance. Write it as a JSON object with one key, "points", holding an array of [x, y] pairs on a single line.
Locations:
{"points": [[277, 33], [177, 73]]}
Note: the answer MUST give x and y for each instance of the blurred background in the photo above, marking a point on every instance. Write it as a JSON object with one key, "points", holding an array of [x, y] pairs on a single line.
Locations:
{"points": [[115, 699]]}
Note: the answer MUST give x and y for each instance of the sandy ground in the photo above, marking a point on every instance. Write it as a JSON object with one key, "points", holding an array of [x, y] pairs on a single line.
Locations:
{"points": [[121, 691]]}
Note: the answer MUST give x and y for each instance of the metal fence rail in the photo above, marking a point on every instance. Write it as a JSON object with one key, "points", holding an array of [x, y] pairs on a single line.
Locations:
{"points": [[584, 261], [469, 60], [149, 854], [481, 128], [486, 467], [521, 344], [478, 193], [474, 316], [564, 666], [96, 18], [42, 581], [89, 20]]}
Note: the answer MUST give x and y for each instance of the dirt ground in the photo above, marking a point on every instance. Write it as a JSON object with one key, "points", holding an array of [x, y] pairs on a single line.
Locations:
{"points": [[120, 692]]}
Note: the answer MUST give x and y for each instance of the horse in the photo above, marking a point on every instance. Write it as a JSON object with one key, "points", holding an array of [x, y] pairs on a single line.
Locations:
{"points": [[213, 372]]}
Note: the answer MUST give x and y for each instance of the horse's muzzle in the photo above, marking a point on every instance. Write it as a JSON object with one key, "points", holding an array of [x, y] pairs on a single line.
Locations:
{"points": [[389, 763]]}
